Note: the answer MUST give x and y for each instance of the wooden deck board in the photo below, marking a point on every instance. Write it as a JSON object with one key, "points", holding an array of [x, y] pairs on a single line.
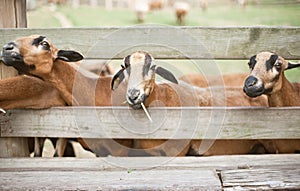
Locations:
{"points": [[110, 180], [159, 173], [281, 177]]}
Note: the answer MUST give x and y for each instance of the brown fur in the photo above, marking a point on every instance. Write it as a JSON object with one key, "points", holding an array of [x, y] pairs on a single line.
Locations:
{"points": [[234, 82], [155, 4], [28, 92], [180, 14], [224, 80]]}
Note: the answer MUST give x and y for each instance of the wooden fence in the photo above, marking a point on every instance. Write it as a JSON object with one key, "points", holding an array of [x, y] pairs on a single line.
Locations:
{"points": [[160, 173]]}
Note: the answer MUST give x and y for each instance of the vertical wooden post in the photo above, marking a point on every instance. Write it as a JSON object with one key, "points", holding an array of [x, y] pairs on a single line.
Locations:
{"points": [[12, 15]]}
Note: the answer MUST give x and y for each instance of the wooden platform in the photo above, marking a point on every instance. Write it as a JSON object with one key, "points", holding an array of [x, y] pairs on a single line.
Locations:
{"points": [[240, 172]]}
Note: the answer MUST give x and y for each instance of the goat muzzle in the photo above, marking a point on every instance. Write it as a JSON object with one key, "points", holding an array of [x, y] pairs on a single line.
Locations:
{"points": [[135, 97], [253, 87]]}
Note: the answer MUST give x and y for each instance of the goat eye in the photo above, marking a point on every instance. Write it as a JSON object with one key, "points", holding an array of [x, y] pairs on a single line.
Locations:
{"points": [[278, 64], [45, 44]]}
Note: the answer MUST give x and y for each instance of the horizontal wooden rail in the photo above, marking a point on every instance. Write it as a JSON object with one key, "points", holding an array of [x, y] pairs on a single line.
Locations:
{"points": [[170, 42], [168, 123]]}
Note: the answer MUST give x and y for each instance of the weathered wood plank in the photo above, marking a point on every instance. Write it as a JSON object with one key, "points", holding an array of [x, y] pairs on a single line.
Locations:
{"points": [[220, 163], [168, 123], [111, 180], [12, 15], [171, 42], [262, 178], [158, 173]]}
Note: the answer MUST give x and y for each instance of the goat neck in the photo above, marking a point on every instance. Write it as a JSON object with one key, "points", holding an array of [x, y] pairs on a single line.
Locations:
{"points": [[288, 95], [80, 87]]}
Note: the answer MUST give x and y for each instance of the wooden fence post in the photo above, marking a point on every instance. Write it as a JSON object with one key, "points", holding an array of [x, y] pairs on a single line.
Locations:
{"points": [[12, 15]]}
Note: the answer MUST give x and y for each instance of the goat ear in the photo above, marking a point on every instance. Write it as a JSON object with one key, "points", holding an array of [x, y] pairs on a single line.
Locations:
{"points": [[165, 74], [117, 79], [292, 65], [69, 55]]}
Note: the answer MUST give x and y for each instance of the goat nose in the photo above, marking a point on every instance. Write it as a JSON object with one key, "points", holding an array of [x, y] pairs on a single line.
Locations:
{"points": [[250, 81], [133, 94], [8, 47]]}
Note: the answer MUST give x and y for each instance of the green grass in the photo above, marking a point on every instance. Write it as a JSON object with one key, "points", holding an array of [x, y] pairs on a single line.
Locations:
{"points": [[90, 17], [225, 15], [287, 15], [41, 18]]}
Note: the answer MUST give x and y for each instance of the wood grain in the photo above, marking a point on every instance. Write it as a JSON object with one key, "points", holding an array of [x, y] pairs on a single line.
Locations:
{"points": [[168, 123], [170, 42], [12, 15], [265, 172], [262, 178]]}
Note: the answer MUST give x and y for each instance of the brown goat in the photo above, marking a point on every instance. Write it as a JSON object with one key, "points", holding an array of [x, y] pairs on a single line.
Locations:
{"points": [[181, 10], [139, 70], [267, 77], [155, 5], [36, 55]]}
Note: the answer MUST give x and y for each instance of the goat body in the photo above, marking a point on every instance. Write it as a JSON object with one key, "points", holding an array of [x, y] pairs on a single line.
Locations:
{"points": [[224, 80], [181, 10], [28, 92]]}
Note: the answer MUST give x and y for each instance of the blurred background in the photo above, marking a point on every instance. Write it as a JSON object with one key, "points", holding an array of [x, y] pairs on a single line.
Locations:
{"points": [[214, 13], [91, 13]]}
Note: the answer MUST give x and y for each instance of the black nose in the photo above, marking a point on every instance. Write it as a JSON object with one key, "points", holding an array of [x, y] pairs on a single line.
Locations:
{"points": [[8, 47], [250, 82], [133, 94]]}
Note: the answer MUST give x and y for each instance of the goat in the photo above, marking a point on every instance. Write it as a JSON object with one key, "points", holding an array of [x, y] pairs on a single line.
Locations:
{"points": [[139, 70], [203, 5], [156, 4], [267, 77], [181, 10], [37, 56], [141, 8]]}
